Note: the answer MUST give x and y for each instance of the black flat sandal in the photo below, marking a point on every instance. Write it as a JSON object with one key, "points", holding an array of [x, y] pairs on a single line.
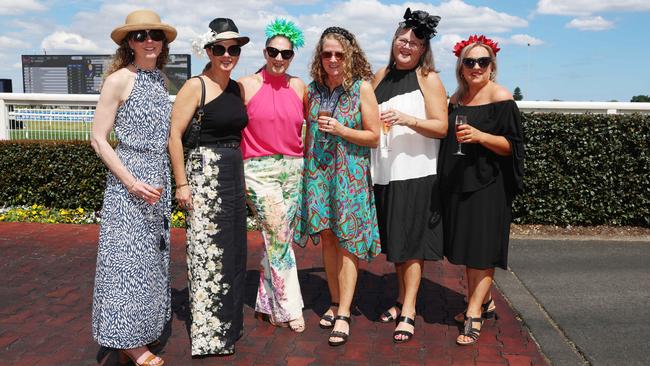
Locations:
{"points": [[388, 317], [409, 335], [486, 312], [470, 332], [328, 318], [339, 334]]}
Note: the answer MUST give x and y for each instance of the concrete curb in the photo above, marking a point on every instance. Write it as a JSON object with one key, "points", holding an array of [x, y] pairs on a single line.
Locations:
{"points": [[554, 344]]}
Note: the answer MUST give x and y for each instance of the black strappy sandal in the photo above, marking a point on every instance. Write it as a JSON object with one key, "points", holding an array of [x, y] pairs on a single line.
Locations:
{"points": [[388, 317], [409, 335], [470, 332], [339, 334], [328, 318], [488, 312]]}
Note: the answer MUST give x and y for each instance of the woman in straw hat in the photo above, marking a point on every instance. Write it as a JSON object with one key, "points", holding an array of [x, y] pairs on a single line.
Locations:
{"points": [[211, 187], [131, 302]]}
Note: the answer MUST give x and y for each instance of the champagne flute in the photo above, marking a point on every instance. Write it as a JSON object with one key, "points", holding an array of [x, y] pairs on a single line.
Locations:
{"points": [[385, 127], [460, 120]]}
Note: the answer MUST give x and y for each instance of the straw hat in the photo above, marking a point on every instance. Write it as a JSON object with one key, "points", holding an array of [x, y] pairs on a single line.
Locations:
{"points": [[140, 20]]}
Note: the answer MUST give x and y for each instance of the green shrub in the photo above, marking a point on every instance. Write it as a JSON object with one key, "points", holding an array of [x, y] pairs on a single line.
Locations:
{"points": [[58, 174], [581, 169], [585, 169]]}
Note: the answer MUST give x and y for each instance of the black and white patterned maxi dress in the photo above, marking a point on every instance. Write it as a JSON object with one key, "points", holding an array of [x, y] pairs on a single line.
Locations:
{"points": [[131, 302]]}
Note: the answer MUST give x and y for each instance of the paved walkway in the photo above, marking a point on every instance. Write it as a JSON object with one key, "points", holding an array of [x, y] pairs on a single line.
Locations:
{"points": [[47, 274]]}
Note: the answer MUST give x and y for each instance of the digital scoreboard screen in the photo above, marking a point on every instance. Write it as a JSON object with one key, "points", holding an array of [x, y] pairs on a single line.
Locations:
{"points": [[83, 74]]}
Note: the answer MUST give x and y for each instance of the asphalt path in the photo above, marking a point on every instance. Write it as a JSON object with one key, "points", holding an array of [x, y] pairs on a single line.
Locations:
{"points": [[585, 301]]}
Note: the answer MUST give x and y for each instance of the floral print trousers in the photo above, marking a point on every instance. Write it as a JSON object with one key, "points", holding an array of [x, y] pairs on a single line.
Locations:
{"points": [[273, 184]]}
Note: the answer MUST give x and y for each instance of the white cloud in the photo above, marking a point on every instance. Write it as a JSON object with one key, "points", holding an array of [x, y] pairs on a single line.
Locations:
{"points": [[525, 40], [61, 41], [8, 42], [372, 21], [587, 7], [590, 24], [15, 7]]}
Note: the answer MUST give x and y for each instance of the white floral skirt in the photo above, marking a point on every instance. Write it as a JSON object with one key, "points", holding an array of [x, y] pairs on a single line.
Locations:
{"points": [[216, 249]]}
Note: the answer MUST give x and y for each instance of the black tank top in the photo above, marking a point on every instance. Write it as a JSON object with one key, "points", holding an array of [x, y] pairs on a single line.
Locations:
{"points": [[224, 117]]}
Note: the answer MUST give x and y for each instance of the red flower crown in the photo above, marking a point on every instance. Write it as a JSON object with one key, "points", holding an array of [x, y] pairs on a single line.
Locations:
{"points": [[458, 48]]}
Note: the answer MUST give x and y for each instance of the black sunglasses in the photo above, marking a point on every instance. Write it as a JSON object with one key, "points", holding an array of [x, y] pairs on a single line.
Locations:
{"points": [[141, 35], [482, 62], [220, 50], [273, 53], [328, 55]]}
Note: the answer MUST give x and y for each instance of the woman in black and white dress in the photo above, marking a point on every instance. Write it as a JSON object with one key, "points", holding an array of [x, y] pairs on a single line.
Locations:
{"points": [[413, 104], [131, 302], [211, 187]]}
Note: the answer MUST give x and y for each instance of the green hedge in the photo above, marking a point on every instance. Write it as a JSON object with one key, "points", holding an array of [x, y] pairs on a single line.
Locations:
{"points": [[586, 169], [58, 174], [582, 169]]}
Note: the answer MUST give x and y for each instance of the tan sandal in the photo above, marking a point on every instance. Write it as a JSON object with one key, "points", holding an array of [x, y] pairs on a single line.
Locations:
{"points": [[297, 325], [147, 362]]}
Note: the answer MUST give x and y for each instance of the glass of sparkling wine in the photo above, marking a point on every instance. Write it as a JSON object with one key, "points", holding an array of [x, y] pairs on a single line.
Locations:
{"points": [[385, 127], [324, 111], [460, 120], [158, 183]]}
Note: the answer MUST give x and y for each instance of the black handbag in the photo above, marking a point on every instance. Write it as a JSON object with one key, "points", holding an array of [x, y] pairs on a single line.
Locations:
{"points": [[192, 134]]}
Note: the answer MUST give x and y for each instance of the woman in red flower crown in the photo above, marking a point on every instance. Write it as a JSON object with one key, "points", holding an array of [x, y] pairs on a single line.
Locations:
{"points": [[480, 171]]}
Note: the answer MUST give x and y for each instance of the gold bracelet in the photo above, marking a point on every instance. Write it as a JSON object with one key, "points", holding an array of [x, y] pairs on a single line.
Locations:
{"points": [[132, 184], [416, 122], [181, 185]]}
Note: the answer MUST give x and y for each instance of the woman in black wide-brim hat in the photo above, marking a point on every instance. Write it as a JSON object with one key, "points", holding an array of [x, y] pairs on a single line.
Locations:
{"points": [[210, 186], [131, 302]]}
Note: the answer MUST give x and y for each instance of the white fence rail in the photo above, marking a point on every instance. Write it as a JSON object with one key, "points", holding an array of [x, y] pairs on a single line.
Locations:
{"points": [[69, 116]]}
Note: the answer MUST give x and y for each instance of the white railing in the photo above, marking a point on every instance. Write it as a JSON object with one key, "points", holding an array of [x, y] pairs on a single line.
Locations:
{"points": [[69, 116]]}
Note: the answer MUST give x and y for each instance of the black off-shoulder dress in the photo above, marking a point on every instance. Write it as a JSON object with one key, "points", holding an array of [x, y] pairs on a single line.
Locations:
{"points": [[477, 189]]}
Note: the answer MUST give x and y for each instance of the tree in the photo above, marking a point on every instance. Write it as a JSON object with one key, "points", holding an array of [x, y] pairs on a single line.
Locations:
{"points": [[640, 99], [517, 94]]}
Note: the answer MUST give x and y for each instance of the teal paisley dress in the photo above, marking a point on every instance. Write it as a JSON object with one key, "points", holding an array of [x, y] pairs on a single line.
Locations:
{"points": [[337, 190]]}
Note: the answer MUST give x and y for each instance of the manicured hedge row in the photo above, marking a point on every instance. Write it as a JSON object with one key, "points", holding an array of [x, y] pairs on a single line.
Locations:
{"points": [[586, 169], [582, 169], [60, 174]]}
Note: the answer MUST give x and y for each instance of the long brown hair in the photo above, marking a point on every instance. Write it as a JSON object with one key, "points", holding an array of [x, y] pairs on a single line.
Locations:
{"points": [[355, 64], [124, 56], [463, 87], [425, 63]]}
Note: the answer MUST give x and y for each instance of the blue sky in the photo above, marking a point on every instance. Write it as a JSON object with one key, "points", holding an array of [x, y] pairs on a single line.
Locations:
{"points": [[578, 50]]}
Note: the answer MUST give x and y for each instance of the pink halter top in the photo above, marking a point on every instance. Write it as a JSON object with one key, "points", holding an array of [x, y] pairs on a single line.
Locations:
{"points": [[275, 118]]}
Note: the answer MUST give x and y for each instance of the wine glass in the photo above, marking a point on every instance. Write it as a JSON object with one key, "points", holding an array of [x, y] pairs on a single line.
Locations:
{"points": [[385, 127], [460, 120], [158, 184], [327, 112]]}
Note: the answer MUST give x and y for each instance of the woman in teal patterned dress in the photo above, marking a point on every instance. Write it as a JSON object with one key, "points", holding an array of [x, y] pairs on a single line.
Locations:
{"points": [[338, 207]]}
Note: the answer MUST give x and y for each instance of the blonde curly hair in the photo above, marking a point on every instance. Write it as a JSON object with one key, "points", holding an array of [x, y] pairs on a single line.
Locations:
{"points": [[355, 63], [125, 56]]}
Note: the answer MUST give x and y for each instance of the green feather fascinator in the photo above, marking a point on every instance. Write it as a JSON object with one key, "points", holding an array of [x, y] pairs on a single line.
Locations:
{"points": [[285, 28]]}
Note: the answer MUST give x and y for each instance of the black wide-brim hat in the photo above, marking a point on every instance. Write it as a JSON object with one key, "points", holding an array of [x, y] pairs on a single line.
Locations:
{"points": [[223, 29]]}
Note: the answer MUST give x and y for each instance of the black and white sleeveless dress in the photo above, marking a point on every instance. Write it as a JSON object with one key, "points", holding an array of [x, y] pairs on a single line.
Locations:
{"points": [[131, 301], [404, 177]]}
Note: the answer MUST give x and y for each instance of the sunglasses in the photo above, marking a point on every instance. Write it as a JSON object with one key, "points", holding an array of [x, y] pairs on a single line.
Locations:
{"points": [[142, 35], [482, 62], [326, 55], [273, 53], [219, 50]]}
